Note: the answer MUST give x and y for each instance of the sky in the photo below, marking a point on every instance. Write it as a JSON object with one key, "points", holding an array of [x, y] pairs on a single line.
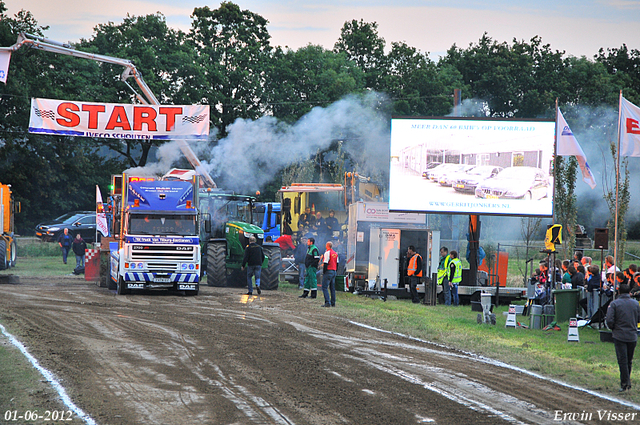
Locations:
{"points": [[577, 27]]}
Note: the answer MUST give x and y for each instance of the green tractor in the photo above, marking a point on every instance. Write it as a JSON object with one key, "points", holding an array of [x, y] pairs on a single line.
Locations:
{"points": [[227, 225]]}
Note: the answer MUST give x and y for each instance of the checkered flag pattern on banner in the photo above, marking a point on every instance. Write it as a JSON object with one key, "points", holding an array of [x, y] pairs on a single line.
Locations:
{"points": [[194, 120], [45, 114]]}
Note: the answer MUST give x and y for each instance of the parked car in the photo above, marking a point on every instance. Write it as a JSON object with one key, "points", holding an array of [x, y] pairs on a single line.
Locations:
{"points": [[435, 173], [448, 175], [83, 222], [468, 181], [515, 183], [430, 166]]}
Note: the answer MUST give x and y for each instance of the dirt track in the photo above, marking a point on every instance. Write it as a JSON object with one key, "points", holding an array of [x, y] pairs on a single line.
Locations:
{"points": [[225, 358]]}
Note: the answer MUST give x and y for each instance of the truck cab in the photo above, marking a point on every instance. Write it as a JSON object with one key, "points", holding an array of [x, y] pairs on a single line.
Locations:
{"points": [[158, 245]]}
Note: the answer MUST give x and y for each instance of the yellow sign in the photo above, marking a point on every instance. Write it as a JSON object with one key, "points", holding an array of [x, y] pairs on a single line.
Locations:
{"points": [[554, 236]]}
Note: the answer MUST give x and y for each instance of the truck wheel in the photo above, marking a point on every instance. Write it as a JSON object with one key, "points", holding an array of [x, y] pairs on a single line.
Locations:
{"points": [[13, 254], [216, 268], [120, 287], [3, 255], [270, 277]]}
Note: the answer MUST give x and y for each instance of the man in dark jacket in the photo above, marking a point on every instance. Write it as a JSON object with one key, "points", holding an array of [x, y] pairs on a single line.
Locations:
{"points": [[253, 257], [622, 318], [65, 240], [311, 264], [331, 223], [79, 247]]}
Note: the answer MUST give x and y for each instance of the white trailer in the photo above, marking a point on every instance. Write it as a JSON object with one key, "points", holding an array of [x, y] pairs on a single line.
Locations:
{"points": [[377, 242]]}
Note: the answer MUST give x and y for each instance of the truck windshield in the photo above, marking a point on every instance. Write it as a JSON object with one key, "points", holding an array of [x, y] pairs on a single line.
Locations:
{"points": [[161, 224]]}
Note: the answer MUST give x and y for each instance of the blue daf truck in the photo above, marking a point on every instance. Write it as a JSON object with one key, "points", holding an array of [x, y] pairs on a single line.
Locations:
{"points": [[156, 227]]}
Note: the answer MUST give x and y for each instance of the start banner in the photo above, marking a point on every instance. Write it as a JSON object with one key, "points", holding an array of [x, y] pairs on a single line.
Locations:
{"points": [[119, 121]]}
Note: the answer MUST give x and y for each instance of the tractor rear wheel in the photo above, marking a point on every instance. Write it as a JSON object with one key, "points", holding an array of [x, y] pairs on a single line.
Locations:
{"points": [[270, 277], [216, 264]]}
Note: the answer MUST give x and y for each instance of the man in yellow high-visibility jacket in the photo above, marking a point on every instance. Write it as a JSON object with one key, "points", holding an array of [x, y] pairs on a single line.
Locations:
{"points": [[414, 271], [455, 276], [443, 274]]}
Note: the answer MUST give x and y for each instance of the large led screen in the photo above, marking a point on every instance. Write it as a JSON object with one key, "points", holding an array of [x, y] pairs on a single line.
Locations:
{"points": [[472, 166]]}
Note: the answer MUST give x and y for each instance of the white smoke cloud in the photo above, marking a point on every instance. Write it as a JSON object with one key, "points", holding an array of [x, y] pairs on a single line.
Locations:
{"points": [[167, 155], [595, 128], [254, 151]]}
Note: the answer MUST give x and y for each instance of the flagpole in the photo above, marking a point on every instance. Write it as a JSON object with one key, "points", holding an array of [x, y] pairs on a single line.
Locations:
{"points": [[615, 236], [555, 165]]}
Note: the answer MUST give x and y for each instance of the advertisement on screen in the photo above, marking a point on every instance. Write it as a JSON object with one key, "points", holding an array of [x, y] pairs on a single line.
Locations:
{"points": [[472, 166]]}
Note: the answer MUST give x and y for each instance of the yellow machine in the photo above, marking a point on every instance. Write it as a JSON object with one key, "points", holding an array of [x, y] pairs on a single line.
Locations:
{"points": [[7, 240]]}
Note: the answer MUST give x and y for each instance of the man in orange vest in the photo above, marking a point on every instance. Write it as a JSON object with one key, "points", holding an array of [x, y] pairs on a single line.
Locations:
{"points": [[414, 271]]}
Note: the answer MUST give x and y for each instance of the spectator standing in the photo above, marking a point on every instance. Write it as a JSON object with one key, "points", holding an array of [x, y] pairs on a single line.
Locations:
{"points": [[541, 280], [79, 247], [635, 288], [414, 272], [65, 240], [253, 258], [299, 255], [443, 274], [622, 318], [311, 266], [329, 271], [331, 223], [577, 277], [305, 218], [593, 284], [320, 228], [609, 267], [455, 276], [566, 277]]}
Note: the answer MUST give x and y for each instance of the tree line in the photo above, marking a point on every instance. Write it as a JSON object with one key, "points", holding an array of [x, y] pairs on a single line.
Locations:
{"points": [[226, 60]]}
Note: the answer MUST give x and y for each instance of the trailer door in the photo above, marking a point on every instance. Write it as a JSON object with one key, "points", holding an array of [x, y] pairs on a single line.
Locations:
{"points": [[384, 256]]}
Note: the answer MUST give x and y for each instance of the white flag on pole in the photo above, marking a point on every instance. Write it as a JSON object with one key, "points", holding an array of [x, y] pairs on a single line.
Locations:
{"points": [[101, 218], [5, 57], [569, 146], [629, 128]]}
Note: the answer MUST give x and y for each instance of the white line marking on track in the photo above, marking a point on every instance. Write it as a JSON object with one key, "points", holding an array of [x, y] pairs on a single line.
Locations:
{"points": [[487, 360], [50, 378]]}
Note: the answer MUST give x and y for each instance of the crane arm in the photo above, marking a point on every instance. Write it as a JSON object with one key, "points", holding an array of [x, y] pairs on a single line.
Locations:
{"points": [[47, 45]]}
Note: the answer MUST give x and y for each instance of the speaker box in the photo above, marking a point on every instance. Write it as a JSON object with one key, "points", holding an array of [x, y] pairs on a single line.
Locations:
{"points": [[601, 239]]}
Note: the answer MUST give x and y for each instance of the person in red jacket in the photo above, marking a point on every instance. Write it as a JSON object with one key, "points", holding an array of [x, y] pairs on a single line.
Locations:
{"points": [[329, 269], [286, 245]]}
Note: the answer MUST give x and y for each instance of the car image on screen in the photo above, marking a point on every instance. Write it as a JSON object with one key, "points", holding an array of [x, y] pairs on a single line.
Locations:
{"points": [[447, 176], [468, 181], [515, 183]]}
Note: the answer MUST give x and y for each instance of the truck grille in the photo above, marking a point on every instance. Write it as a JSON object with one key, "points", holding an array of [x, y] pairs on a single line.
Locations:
{"points": [[164, 254]]}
